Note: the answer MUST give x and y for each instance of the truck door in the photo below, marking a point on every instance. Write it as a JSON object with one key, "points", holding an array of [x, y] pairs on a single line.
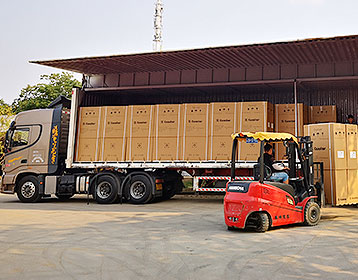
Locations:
{"points": [[16, 158]]}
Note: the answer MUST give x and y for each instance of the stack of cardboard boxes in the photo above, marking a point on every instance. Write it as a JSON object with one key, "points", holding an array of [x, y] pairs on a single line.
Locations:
{"points": [[352, 163], [168, 132], [335, 145], [140, 133], [286, 118], [255, 116], [88, 133]]}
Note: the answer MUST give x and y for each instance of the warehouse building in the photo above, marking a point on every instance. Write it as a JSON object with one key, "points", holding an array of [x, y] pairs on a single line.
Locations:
{"points": [[313, 72]]}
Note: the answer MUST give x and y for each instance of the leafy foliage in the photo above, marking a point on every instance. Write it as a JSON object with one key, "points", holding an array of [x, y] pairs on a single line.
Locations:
{"points": [[6, 116], [42, 94]]}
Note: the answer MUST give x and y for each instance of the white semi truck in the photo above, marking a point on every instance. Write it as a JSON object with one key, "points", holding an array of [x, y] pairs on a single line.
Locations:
{"points": [[39, 162]]}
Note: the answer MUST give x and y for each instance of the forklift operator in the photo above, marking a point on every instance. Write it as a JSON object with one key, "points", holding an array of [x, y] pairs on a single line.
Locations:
{"points": [[277, 175]]}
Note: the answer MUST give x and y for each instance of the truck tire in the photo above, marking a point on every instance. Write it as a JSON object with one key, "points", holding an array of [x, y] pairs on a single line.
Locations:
{"points": [[28, 189], [263, 222], [64, 197], [106, 190], [312, 214], [139, 190]]}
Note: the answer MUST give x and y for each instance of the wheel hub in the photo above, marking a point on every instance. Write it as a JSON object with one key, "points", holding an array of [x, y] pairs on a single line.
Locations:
{"points": [[28, 189], [104, 190], [137, 190]]}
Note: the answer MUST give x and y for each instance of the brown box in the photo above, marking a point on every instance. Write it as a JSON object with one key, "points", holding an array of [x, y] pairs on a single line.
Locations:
{"points": [[323, 114], [329, 144], [89, 120], [194, 148], [141, 119], [169, 120], [196, 120], [352, 176], [114, 121], [87, 149], [255, 117], [139, 149], [220, 148], [112, 149], [352, 146], [224, 118], [285, 122], [167, 148], [335, 186]]}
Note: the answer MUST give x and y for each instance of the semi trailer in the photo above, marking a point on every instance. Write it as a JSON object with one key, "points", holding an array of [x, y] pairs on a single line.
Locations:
{"points": [[40, 161]]}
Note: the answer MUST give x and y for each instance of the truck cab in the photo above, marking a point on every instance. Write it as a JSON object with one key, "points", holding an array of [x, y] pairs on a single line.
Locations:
{"points": [[33, 147]]}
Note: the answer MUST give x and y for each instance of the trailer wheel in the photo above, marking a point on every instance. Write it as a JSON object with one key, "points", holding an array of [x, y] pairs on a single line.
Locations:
{"points": [[312, 214], [262, 222], [28, 189], [106, 191], [139, 190]]}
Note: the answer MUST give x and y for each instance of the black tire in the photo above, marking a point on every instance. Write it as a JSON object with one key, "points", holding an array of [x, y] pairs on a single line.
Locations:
{"points": [[263, 222], [139, 190], [230, 228], [106, 190], [64, 197], [28, 189], [312, 214]]}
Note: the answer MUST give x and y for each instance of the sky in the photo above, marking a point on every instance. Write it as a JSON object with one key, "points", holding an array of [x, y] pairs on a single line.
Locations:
{"points": [[43, 29]]}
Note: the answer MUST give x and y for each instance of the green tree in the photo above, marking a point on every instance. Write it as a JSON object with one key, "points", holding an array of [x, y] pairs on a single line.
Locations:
{"points": [[6, 116], [42, 94]]}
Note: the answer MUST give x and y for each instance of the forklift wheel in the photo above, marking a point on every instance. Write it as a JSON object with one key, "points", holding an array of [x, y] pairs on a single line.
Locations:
{"points": [[230, 228], [263, 222], [312, 214]]}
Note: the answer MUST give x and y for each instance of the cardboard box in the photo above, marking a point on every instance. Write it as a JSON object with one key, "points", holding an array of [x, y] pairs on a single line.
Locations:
{"points": [[323, 114], [224, 118], [196, 119], [139, 149], [89, 120], [255, 117], [329, 144], [114, 121], [285, 121], [194, 148], [352, 146], [87, 149], [352, 176], [336, 186], [286, 117], [220, 148], [169, 120], [167, 148], [112, 149], [141, 121]]}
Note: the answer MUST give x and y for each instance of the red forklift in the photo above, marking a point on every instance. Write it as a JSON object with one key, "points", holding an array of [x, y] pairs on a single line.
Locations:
{"points": [[263, 203]]}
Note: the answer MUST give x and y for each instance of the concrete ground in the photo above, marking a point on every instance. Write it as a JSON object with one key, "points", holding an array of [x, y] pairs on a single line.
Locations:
{"points": [[184, 238]]}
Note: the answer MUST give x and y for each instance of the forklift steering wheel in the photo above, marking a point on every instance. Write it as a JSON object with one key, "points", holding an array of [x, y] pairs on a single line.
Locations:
{"points": [[268, 172]]}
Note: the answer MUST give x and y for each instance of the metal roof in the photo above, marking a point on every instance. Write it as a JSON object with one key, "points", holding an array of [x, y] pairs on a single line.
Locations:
{"points": [[310, 51]]}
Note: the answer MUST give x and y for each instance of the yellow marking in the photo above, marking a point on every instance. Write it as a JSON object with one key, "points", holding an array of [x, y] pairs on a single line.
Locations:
{"points": [[12, 160]]}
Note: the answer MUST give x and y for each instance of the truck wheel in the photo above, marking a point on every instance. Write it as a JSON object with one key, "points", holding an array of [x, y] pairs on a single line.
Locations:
{"points": [[28, 189], [139, 190], [172, 188], [106, 191], [263, 222], [312, 214], [64, 197]]}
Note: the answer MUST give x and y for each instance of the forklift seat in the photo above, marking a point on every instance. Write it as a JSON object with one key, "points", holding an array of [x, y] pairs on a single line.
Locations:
{"points": [[285, 187]]}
